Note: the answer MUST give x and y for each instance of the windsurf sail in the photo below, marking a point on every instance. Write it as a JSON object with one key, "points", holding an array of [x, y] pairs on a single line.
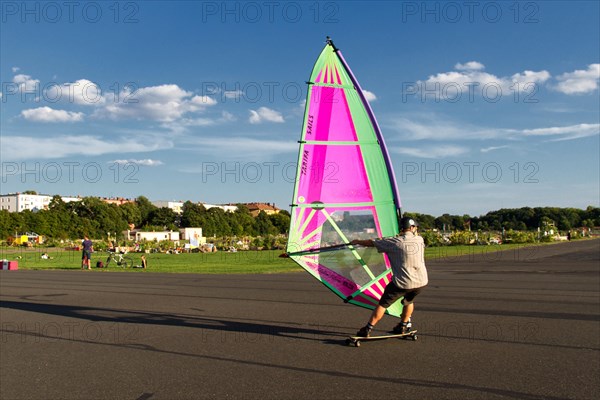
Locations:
{"points": [[345, 187]]}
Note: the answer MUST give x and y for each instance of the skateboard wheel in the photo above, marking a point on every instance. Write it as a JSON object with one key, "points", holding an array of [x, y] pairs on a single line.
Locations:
{"points": [[357, 344], [414, 337]]}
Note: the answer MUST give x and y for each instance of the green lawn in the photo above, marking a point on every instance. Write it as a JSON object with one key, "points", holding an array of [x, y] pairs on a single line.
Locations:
{"points": [[247, 262], [244, 262]]}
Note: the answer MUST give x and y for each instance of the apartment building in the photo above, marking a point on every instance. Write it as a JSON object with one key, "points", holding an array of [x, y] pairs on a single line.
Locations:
{"points": [[17, 202]]}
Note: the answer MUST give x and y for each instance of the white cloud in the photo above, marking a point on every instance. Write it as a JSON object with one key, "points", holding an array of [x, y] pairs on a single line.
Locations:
{"points": [[145, 162], [565, 132], [198, 103], [47, 114], [82, 92], [579, 81], [264, 114], [529, 77], [434, 128], [165, 103], [559, 108], [440, 151], [233, 94], [239, 147], [183, 124], [370, 96], [30, 147], [493, 148], [471, 78], [26, 83], [227, 117], [186, 122], [15, 69], [469, 66]]}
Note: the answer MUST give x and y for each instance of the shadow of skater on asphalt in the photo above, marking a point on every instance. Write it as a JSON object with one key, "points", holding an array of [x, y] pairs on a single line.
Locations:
{"points": [[258, 328]]}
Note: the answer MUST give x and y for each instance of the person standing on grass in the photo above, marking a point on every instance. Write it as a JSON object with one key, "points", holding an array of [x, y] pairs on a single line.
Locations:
{"points": [[406, 253], [86, 254]]}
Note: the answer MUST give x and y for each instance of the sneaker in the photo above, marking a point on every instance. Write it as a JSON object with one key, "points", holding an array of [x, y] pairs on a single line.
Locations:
{"points": [[402, 328], [364, 332]]}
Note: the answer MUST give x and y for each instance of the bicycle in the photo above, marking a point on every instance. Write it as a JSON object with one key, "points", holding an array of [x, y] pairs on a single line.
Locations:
{"points": [[120, 259]]}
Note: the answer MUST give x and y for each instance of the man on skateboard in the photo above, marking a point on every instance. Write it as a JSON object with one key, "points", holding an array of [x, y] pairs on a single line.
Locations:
{"points": [[406, 253]]}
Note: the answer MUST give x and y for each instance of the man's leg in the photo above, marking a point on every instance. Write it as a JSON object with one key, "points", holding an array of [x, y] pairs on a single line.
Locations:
{"points": [[407, 311], [377, 314], [389, 296], [408, 307]]}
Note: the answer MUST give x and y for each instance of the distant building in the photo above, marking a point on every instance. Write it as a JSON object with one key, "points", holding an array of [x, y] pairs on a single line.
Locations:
{"points": [[17, 202], [194, 235], [191, 233], [70, 199], [152, 236], [256, 208], [116, 200], [176, 206], [224, 207]]}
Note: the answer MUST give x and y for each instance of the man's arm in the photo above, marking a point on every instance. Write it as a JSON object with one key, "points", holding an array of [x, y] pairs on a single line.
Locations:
{"points": [[366, 243]]}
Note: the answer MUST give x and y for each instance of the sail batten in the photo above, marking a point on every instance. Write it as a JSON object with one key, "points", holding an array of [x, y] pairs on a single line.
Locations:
{"points": [[345, 187], [341, 143]]}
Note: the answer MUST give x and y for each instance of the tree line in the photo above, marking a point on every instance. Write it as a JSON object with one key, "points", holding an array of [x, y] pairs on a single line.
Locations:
{"points": [[93, 217], [520, 219]]}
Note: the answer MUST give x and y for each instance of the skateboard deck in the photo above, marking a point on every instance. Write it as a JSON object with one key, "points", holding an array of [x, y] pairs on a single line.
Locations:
{"points": [[355, 340]]}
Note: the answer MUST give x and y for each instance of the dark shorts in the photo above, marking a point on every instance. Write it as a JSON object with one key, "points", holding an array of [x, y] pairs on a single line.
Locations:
{"points": [[86, 254], [393, 293]]}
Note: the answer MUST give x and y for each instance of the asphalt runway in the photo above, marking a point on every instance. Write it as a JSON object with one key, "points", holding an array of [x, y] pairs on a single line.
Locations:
{"points": [[521, 324]]}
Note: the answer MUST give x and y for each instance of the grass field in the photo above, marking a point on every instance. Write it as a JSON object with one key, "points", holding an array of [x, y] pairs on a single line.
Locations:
{"points": [[246, 262]]}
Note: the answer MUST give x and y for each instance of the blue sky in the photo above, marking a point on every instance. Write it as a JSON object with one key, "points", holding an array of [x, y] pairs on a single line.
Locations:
{"points": [[483, 105]]}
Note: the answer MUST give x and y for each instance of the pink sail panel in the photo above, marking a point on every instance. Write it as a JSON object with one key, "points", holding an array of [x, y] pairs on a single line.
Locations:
{"points": [[329, 74], [333, 174], [370, 295], [344, 285], [329, 116], [340, 283]]}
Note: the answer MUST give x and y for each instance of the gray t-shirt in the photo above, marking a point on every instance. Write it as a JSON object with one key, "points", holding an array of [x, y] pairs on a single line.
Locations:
{"points": [[407, 258]]}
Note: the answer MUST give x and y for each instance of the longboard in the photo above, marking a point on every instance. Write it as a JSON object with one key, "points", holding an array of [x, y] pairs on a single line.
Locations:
{"points": [[355, 340]]}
